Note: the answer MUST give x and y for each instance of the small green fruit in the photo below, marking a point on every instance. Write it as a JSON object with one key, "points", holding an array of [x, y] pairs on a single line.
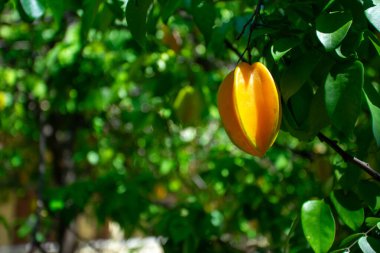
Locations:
{"points": [[3, 100], [188, 106]]}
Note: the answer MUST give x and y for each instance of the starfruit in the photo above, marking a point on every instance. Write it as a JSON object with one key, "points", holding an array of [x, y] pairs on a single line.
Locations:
{"points": [[250, 108]]}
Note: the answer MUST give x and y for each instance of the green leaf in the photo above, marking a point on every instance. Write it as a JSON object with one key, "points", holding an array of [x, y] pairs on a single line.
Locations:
{"points": [[219, 34], [5, 224], [204, 17], [351, 43], [372, 96], [343, 94], [375, 41], [350, 177], [292, 228], [297, 74], [136, 14], [374, 242], [90, 9], [348, 207], [104, 18], [180, 224], [57, 8], [153, 18], [305, 113], [318, 117], [97, 99], [33, 8], [299, 104], [372, 10], [318, 225], [28, 226], [365, 246], [327, 6], [332, 28], [372, 221], [350, 239], [168, 7], [56, 204], [117, 8], [338, 251], [369, 192], [282, 46], [2, 4]]}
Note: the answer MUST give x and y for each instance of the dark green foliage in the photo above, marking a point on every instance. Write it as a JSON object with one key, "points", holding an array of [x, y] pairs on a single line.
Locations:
{"points": [[104, 75]]}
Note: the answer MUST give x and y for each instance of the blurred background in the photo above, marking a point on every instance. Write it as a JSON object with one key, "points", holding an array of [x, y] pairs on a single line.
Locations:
{"points": [[105, 136]]}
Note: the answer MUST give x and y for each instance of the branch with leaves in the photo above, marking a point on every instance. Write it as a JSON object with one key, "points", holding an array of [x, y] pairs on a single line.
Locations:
{"points": [[349, 158], [333, 144], [361, 241], [251, 23]]}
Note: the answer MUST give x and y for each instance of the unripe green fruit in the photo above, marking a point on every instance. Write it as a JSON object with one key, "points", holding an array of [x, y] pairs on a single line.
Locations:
{"points": [[3, 100], [188, 106]]}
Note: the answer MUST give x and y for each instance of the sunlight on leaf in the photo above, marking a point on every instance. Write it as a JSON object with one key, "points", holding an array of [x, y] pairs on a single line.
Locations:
{"points": [[332, 28]]}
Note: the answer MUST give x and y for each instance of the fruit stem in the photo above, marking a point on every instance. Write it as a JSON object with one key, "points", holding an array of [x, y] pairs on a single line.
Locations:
{"points": [[252, 23]]}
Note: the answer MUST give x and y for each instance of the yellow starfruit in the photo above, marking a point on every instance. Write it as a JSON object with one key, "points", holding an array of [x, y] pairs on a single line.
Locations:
{"points": [[250, 108]]}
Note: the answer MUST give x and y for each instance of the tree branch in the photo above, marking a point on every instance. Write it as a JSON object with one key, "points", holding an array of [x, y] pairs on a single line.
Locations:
{"points": [[252, 23], [229, 45], [349, 158], [346, 156], [251, 19], [36, 244]]}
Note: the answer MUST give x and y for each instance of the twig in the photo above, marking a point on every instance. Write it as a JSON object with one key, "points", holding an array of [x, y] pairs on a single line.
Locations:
{"points": [[347, 249], [349, 158], [252, 23], [245, 25], [41, 119], [234, 49], [36, 244], [291, 232], [251, 19]]}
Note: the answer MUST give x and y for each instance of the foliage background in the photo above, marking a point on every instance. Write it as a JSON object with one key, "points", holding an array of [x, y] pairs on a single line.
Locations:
{"points": [[96, 114]]}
